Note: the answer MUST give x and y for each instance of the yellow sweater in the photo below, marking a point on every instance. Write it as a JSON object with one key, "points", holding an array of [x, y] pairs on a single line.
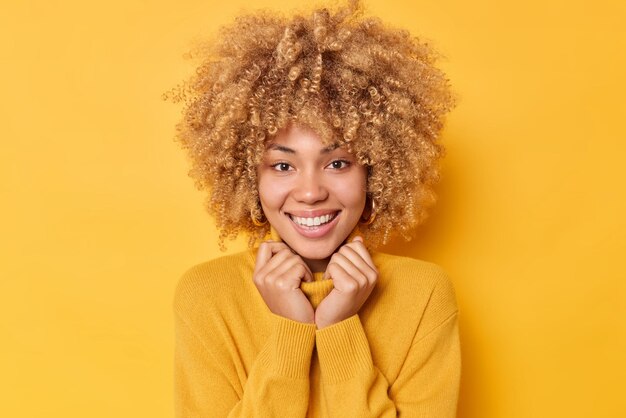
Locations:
{"points": [[399, 356]]}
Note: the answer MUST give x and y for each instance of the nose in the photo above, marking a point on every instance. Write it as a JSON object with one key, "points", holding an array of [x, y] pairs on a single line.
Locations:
{"points": [[310, 188]]}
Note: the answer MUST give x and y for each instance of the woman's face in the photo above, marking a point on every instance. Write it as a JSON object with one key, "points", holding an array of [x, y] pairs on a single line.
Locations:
{"points": [[311, 194]]}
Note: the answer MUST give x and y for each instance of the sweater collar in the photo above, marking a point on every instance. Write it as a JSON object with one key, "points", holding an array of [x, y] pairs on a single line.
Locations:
{"points": [[319, 288]]}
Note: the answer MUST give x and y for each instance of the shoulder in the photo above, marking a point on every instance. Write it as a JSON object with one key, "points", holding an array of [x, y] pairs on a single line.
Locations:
{"points": [[204, 281], [409, 269], [422, 287]]}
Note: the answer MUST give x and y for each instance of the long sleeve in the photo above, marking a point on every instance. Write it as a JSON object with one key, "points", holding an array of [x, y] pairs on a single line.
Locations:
{"points": [[277, 384], [399, 356], [428, 382]]}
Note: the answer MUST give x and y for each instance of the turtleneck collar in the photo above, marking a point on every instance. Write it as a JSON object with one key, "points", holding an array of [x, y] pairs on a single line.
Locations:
{"points": [[319, 288]]}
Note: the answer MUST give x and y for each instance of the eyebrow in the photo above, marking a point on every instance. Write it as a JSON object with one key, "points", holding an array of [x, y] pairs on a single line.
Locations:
{"points": [[288, 150]]}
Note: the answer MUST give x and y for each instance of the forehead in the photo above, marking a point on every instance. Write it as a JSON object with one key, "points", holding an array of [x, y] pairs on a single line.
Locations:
{"points": [[300, 138]]}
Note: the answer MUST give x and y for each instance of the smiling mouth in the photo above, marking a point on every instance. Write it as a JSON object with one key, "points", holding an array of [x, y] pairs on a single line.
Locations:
{"points": [[315, 221]]}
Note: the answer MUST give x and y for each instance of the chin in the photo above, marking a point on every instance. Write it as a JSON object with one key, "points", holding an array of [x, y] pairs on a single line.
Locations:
{"points": [[315, 254], [313, 250]]}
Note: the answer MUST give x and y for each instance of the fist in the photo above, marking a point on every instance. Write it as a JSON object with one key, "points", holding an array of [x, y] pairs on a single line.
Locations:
{"points": [[354, 277], [278, 273]]}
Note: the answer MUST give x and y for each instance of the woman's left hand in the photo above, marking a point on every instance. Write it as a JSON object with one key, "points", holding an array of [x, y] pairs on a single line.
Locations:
{"points": [[354, 277]]}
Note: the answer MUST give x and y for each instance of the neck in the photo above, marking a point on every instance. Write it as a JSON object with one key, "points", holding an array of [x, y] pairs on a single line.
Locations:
{"points": [[317, 266]]}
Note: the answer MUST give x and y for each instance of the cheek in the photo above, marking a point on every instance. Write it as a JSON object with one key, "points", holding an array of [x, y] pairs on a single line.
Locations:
{"points": [[352, 192], [271, 193]]}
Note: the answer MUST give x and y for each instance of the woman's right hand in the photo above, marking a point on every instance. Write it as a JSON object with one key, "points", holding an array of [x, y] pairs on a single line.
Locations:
{"points": [[277, 275]]}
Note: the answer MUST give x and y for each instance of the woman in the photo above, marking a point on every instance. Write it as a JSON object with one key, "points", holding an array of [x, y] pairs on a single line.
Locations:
{"points": [[316, 136]]}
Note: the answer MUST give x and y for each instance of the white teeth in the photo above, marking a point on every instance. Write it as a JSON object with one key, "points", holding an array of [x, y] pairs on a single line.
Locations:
{"points": [[316, 221]]}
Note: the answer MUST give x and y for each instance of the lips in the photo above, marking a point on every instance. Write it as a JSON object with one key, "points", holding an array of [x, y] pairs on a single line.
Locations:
{"points": [[310, 230], [313, 221], [312, 213]]}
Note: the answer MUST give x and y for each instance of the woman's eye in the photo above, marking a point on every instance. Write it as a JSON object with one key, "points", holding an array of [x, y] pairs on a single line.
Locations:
{"points": [[339, 164], [281, 166]]}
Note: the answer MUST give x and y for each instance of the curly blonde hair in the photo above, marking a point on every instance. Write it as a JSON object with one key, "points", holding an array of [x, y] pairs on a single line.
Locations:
{"points": [[355, 81]]}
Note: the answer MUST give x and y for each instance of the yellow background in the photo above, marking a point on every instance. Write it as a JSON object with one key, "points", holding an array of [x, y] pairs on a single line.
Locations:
{"points": [[99, 219]]}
